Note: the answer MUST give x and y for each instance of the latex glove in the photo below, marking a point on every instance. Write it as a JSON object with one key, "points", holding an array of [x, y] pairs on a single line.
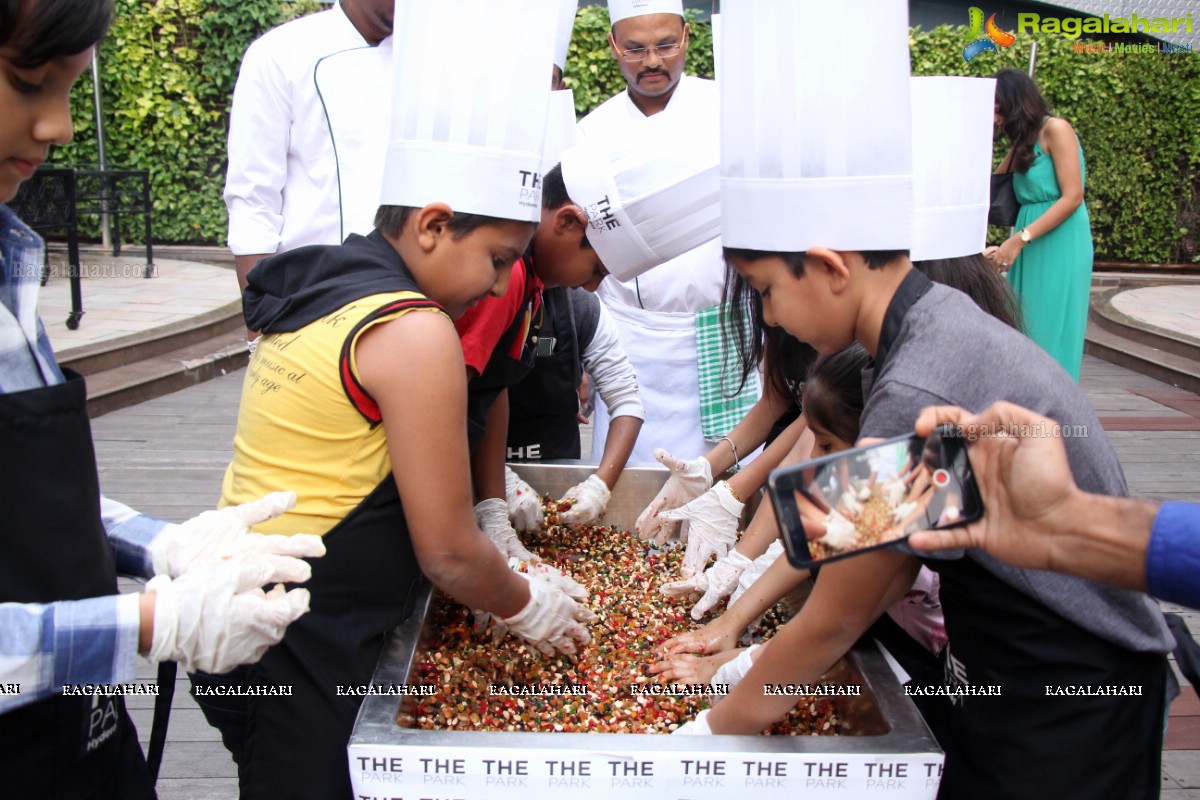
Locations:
{"points": [[756, 570], [692, 587], [711, 585], [482, 619], [588, 501], [558, 579], [217, 536], [492, 516], [551, 621], [214, 618], [524, 505], [712, 526], [697, 727], [551, 576], [732, 672], [687, 481], [722, 580]]}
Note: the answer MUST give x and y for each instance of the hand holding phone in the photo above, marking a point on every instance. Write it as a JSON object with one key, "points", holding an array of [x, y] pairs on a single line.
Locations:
{"points": [[871, 497]]}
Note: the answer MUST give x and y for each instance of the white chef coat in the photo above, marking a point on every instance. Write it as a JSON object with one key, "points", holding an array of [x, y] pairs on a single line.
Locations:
{"points": [[655, 312], [307, 135]]}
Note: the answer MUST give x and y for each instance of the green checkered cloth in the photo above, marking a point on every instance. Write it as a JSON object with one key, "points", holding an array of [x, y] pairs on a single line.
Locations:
{"points": [[720, 409]]}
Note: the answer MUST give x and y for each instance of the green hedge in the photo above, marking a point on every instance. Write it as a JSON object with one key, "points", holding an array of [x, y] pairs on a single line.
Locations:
{"points": [[169, 69]]}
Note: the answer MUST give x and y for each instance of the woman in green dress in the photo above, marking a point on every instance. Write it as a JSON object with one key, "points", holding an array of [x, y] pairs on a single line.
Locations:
{"points": [[1049, 258]]}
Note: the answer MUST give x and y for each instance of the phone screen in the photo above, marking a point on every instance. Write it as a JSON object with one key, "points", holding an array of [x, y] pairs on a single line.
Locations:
{"points": [[870, 497]]}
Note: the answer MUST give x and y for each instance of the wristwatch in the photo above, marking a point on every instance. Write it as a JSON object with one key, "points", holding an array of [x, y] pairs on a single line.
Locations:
{"points": [[1025, 235]]}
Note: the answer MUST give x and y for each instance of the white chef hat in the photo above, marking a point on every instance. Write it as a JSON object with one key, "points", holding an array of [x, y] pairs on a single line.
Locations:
{"points": [[562, 37], [561, 128], [469, 106], [815, 131], [624, 9], [647, 202], [952, 165]]}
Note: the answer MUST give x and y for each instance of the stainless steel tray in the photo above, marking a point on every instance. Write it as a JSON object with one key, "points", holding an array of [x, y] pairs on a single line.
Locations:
{"points": [[883, 746]]}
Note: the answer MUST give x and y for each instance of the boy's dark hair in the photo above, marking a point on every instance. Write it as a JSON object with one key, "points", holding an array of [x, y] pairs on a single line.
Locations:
{"points": [[1023, 108], [975, 277], [876, 259], [833, 393], [42, 30], [554, 196], [744, 321], [391, 219], [554, 189]]}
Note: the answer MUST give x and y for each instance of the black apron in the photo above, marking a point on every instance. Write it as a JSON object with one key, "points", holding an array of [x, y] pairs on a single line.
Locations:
{"points": [[542, 412], [1026, 743], [55, 548], [295, 747], [502, 370]]}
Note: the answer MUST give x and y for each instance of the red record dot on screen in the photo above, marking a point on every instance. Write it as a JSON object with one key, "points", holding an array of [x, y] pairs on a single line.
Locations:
{"points": [[941, 478]]}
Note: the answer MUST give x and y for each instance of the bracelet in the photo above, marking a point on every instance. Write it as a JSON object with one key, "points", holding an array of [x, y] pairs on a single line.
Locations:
{"points": [[733, 493], [737, 460]]}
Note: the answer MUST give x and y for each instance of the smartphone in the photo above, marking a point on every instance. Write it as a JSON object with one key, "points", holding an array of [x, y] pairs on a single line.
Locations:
{"points": [[871, 497]]}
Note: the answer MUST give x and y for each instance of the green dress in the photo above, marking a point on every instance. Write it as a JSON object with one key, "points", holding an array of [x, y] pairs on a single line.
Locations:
{"points": [[1053, 275]]}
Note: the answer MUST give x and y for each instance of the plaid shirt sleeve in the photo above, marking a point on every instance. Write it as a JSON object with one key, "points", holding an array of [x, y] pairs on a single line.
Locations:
{"points": [[44, 647], [130, 535]]}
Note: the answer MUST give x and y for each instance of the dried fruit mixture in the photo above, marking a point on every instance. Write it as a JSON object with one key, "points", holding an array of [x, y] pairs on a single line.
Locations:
{"points": [[622, 575]]}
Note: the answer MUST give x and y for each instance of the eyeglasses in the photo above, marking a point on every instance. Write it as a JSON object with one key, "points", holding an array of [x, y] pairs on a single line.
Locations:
{"points": [[664, 51]]}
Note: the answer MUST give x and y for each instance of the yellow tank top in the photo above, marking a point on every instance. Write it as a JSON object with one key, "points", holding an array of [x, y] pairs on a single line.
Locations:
{"points": [[305, 423]]}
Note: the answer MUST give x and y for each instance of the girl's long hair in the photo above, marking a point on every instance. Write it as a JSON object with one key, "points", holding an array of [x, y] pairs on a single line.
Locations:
{"points": [[833, 394], [1023, 108]]}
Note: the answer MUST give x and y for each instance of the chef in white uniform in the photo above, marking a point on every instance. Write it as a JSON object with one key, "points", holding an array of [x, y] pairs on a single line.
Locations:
{"points": [[307, 131], [657, 314]]}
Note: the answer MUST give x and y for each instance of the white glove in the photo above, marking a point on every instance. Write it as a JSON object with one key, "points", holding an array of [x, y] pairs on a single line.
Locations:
{"points": [[552, 577], [756, 570], [722, 580], [524, 505], [551, 621], [217, 536], [557, 578], [492, 516], [688, 480], [712, 526], [588, 501], [732, 671], [215, 617], [714, 583], [697, 727], [688, 587]]}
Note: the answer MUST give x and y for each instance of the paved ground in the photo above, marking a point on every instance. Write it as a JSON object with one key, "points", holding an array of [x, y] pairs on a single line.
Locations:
{"points": [[167, 456], [118, 301], [1175, 308]]}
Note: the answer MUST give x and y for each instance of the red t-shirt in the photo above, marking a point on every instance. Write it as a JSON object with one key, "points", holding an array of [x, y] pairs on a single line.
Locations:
{"points": [[481, 327]]}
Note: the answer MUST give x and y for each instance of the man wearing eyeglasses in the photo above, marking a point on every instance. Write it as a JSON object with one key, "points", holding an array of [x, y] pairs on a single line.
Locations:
{"points": [[662, 314]]}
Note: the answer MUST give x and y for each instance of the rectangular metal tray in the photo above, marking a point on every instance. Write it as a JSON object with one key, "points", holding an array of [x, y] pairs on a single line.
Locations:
{"points": [[883, 745]]}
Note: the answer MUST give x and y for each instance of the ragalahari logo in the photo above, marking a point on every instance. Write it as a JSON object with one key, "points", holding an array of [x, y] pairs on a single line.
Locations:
{"points": [[985, 37]]}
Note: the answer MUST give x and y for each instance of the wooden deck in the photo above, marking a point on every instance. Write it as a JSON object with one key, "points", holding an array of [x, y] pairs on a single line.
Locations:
{"points": [[166, 457]]}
